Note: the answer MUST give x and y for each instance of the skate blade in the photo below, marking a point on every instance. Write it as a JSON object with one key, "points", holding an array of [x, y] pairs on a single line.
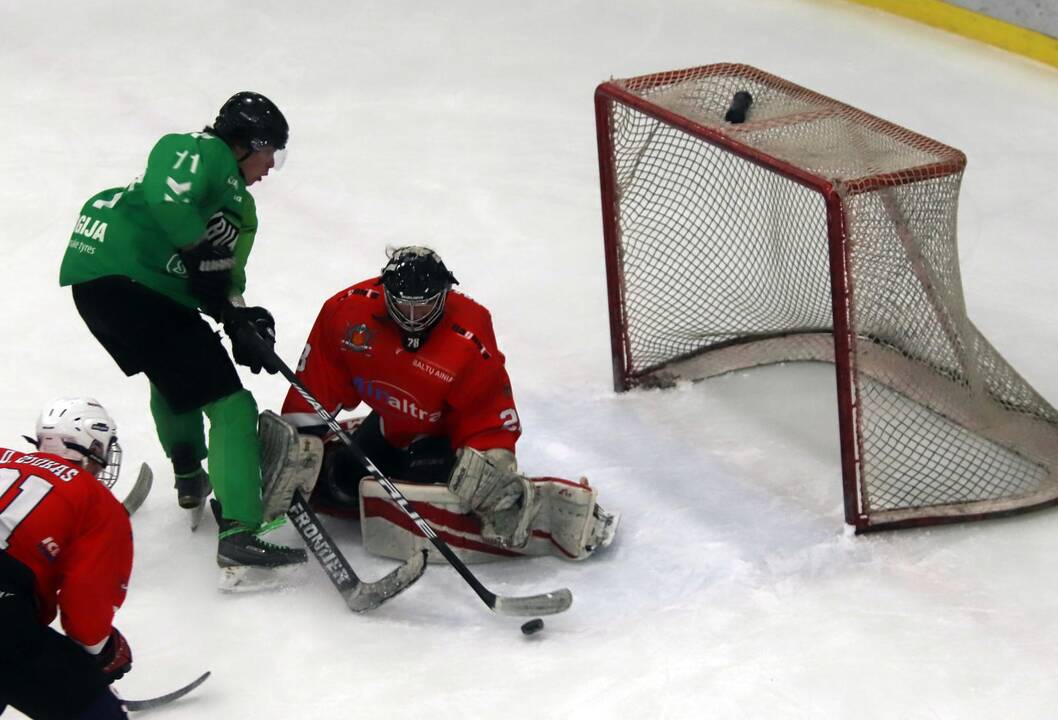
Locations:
{"points": [[251, 578], [195, 515]]}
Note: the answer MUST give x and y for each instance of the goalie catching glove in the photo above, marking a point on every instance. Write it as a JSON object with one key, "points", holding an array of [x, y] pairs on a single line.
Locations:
{"points": [[505, 500]]}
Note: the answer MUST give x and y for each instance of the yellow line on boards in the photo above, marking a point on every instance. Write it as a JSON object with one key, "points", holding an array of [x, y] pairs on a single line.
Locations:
{"points": [[976, 26]]}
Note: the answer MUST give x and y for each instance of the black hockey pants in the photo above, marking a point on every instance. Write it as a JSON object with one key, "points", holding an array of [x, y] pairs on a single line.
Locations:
{"points": [[44, 674], [144, 331]]}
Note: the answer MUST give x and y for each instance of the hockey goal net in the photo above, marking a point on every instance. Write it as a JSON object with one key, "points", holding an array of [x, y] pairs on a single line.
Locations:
{"points": [[815, 231]]}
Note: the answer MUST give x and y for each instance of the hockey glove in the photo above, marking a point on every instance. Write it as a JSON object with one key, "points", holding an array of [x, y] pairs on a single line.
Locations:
{"points": [[209, 262], [504, 499], [115, 659], [253, 336]]}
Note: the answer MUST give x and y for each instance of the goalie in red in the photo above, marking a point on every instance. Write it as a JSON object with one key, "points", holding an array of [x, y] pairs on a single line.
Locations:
{"points": [[443, 424], [65, 549]]}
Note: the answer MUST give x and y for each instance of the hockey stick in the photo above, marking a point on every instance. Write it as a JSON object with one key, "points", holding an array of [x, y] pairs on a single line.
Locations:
{"points": [[358, 595], [139, 490], [532, 605], [149, 703]]}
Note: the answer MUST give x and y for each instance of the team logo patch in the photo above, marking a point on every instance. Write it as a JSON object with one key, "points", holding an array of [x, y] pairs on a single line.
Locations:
{"points": [[175, 266], [358, 338], [49, 549]]}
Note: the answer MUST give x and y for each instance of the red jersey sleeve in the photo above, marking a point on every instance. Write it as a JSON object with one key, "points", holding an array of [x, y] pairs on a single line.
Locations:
{"points": [[97, 570], [320, 368], [482, 411]]}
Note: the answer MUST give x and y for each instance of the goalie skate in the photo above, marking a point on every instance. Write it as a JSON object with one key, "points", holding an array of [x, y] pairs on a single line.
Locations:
{"points": [[604, 528]]}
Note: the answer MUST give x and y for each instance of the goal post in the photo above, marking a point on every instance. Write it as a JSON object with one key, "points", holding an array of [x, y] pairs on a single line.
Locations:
{"points": [[809, 230]]}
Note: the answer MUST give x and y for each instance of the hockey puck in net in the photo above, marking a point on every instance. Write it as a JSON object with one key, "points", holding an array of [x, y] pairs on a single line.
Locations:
{"points": [[736, 113], [533, 626]]}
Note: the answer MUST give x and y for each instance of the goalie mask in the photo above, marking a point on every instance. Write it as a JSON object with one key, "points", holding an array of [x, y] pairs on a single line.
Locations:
{"points": [[415, 283], [80, 429]]}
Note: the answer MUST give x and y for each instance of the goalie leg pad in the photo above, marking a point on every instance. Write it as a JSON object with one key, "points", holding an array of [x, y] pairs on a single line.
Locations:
{"points": [[570, 524], [289, 462], [575, 523]]}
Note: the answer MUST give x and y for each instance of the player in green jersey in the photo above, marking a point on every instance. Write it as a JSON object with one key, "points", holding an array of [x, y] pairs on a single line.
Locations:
{"points": [[145, 260]]}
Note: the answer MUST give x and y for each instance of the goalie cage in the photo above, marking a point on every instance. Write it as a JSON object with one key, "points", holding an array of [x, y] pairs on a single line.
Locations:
{"points": [[814, 231]]}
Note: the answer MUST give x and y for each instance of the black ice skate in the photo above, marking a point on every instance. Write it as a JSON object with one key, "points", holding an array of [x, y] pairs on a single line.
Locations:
{"points": [[247, 562], [240, 545], [192, 488]]}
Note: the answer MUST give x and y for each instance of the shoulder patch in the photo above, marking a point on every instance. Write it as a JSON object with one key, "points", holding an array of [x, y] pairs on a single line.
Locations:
{"points": [[463, 332], [361, 292]]}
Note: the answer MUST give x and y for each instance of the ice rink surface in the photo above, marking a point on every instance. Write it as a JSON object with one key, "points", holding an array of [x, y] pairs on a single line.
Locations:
{"points": [[733, 589]]}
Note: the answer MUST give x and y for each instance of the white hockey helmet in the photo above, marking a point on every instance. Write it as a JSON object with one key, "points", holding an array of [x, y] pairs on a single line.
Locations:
{"points": [[81, 429]]}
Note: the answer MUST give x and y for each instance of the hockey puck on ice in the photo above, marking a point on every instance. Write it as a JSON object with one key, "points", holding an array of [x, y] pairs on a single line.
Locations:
{"points": [[534, 625]]}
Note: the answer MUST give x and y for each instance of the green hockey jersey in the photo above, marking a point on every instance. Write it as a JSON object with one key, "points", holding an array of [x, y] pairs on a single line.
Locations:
{"points": [[138, 230]]}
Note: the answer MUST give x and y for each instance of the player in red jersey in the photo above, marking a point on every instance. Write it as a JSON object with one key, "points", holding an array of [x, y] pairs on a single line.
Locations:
{"points": [[66, 550], [424, 358]]}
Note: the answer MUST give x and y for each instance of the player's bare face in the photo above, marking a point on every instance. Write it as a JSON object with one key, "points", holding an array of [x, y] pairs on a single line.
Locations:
{"points": [[257, 164]]}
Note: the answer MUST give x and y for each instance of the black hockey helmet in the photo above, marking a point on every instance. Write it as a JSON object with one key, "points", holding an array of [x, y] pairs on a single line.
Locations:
{"points": [[252, 121], [415, 283]]}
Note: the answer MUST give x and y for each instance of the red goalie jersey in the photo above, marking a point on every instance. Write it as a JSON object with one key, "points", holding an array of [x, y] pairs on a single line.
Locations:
{"points": [[454, 386], [65, 526]]}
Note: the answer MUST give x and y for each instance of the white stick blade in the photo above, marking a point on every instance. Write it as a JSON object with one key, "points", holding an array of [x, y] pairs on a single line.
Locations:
{"points": [[140, 490], [534, 605]]}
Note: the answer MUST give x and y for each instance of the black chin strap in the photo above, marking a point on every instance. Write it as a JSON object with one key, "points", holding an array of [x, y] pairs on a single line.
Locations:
{"points": [[88, 454]]}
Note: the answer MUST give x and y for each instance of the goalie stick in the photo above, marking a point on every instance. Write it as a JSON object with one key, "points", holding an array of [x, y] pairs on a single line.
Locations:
{"points": [[358, 595], [149, 703], [139, 490], [532, 605]]}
